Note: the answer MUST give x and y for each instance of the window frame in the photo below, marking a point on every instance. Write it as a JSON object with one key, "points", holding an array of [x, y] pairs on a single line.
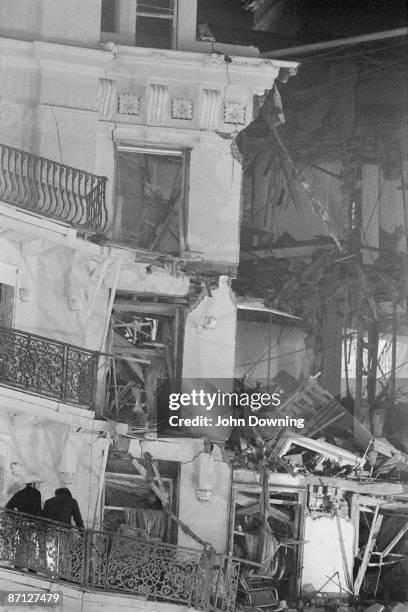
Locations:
{"points": [[10, 275], [182, 213], [299, 501], [125, 17], [137, 478]]}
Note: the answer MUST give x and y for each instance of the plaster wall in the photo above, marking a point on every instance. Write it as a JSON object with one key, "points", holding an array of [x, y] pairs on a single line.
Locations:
{"points": [[209, 353], [53, 20], [67, 136], [76, 23], [322, 534], [208, 519], [214, 209], [59, 454], [288, 351], [54, 290], [24, 24]]}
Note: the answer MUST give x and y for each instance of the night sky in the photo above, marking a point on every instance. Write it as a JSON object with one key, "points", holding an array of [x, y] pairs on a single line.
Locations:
{"points": [[328, 18]]}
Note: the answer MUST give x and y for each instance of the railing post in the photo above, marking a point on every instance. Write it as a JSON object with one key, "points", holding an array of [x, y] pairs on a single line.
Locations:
{"points": [[95, 369], [86, 578], [64, 372]]}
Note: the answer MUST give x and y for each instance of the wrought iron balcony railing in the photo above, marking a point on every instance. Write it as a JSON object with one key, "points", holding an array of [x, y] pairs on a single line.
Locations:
{"points": [[108, 561], [52, 189], [47, 367]]}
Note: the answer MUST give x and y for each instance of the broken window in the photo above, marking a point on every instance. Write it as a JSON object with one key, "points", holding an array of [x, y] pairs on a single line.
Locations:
{"points": [[130, 505], [146, 347], [6, 305], [265, 535], [8, 282], [132, 508], [380, 564], [143, 23], [150, 194]]}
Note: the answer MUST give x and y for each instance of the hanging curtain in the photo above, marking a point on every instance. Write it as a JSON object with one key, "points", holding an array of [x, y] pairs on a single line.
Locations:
{"points": [[151, 521]]}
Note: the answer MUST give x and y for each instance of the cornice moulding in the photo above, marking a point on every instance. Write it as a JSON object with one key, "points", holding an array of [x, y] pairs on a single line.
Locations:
{"points": [[115, 60]]}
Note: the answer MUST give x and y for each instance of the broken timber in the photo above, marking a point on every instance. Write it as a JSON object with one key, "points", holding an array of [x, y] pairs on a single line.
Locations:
{"points": [[164, 498], [374, 531]]}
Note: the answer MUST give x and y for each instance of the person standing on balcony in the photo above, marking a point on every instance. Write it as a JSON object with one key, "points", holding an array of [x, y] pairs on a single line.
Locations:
{"points": [[27, 535], [62, 508], [27, 500], [63, 541]]}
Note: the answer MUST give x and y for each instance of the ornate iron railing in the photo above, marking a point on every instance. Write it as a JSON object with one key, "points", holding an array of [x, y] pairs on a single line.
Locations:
{"points": [[52, 189], [152, 569], [47, 367], [107, 561], [40, 545], [226, 578]]}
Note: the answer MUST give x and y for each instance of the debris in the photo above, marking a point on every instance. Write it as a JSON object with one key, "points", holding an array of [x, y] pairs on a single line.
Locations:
{"points": [[399, 607]]}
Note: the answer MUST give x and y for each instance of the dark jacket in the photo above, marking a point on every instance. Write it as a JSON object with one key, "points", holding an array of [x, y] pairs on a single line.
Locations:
{"points": [[62, 507], [26, 500]]}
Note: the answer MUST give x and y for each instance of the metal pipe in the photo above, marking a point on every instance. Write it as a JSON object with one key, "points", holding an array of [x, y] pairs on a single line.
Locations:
{"points": [[339, 42]]}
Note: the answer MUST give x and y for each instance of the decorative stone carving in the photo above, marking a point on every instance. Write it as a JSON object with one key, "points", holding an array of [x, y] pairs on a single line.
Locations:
{"points": [[213, 60], [157, 100], [234, 112], [182, 108], [210, 108], [129, 104], [107, 99], [24, 294], [74, 303]]}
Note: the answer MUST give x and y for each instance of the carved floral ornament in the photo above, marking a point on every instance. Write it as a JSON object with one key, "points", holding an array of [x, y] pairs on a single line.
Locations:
{"points": [[210, 110], [128, 104], [234, 112], [182, 108]]}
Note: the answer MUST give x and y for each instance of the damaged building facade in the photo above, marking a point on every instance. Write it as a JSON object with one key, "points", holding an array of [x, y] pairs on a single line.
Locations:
{"points": [[161, 231]]}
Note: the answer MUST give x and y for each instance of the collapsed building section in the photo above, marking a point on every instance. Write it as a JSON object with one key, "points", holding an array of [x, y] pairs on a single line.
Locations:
{"points": [[223, 239]]}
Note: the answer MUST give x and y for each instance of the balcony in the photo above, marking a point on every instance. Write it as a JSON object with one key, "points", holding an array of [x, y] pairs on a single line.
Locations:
{"points": [[112, 562], [47, 367], [52, 190]]}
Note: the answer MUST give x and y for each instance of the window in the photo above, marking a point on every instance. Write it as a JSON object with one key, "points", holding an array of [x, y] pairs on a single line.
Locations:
{"points": [[147, 347], [129, 502], [130, 507], [8, 282], [271, 545], [150, 194], [6, 305], [143, 23]]}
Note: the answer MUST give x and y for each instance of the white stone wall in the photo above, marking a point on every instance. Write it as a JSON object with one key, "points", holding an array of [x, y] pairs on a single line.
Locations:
{"points": [[288, 351], [60, 454], [208, 519], [322, 534], [74, 105]]}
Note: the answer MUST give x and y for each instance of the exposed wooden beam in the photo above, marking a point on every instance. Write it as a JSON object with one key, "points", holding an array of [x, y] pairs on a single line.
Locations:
{"points": [[111, 302], [395, 540], [372, 538], [145, 307]]}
